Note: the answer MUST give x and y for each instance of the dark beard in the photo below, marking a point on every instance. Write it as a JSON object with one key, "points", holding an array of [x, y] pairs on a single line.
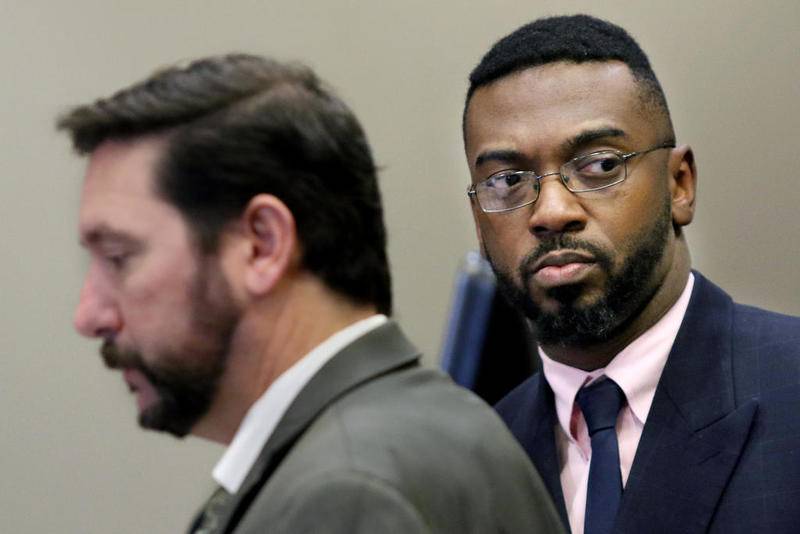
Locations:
{"points": [[186, 382], [626, 293]]}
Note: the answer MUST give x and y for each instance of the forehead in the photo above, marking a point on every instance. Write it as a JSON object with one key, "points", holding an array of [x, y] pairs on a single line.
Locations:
{"points": [[545, 105], [118, 192]]}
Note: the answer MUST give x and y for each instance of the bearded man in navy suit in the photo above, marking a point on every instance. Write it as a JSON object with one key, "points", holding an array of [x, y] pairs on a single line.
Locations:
{"points": [[663, 406]]}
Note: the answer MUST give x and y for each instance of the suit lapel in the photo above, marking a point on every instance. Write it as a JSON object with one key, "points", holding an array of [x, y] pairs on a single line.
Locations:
{"points": [[694, 432], [380, 351], [533, 425]]}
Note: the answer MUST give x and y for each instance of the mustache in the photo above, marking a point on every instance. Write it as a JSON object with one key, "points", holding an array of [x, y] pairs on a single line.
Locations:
{"points": [[116, 358], [562, 242]]}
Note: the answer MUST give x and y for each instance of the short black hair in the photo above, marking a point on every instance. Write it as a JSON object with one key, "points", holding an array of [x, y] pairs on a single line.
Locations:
{"points": [[572, 38], [239, 125]]}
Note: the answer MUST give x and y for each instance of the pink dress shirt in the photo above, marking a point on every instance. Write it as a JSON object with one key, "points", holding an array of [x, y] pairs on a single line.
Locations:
{"points": [[636, 370]]}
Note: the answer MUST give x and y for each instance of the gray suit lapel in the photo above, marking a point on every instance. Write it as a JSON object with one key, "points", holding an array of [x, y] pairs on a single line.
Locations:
{"points": [[380, 351], [694, 433]]}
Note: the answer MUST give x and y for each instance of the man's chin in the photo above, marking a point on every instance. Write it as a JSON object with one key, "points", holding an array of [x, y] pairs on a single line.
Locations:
{"points": [[156, 418], [571, 316], [161, 410], [553, 330]]}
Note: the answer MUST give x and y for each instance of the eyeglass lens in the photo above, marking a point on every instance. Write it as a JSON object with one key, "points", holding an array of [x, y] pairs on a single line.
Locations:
{"points": [[509, 190]]}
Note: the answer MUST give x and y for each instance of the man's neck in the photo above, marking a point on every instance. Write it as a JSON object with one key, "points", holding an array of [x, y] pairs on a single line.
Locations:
{"points": [[270, 339]]}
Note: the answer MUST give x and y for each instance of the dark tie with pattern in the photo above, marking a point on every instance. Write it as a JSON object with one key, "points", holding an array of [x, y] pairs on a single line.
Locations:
{"points": [[209, 522], [600, 404]]}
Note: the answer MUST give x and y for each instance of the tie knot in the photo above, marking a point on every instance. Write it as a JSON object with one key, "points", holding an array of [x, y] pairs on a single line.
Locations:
{"points": [[600, 404]]}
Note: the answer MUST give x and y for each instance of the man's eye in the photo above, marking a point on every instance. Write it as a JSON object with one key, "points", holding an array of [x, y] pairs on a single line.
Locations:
{"points": [[504, 181], [117, 261], [600, 164]]}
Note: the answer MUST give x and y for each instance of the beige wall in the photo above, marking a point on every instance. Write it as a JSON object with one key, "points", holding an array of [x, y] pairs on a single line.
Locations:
{"points": [[71, 455]]}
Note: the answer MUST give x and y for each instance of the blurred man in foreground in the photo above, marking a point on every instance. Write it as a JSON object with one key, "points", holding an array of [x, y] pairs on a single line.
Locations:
{"points": [[239, 281], [663, 406]]}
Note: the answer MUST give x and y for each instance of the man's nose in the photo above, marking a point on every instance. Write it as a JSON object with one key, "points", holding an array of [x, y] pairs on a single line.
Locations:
{"points": [[557, 210], [96, 315]]}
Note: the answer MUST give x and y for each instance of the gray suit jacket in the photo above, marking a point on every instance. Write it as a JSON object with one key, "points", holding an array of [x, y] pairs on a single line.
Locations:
{"points": [[377, 444]]}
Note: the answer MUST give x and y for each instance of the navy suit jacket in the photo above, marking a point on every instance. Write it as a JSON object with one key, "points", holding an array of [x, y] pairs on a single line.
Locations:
{"points": [[720, 450]]}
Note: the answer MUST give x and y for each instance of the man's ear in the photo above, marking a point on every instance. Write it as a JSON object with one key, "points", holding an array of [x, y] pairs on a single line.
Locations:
{"points": [[271, 234], [682, 184]]}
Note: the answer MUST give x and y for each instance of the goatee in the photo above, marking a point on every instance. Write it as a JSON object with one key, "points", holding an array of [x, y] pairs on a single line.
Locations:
{"points": [[625, 294], [186, 379]]}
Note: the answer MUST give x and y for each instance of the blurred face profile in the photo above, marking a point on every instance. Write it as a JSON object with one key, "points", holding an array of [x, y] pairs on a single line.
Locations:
{"points": [[165, 315]]}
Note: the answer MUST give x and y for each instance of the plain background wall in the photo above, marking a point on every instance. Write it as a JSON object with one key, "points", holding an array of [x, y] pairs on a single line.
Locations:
{"points": [[72, 457]]}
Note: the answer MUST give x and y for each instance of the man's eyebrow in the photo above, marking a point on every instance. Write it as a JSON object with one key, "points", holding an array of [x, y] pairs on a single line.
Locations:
{"points": [[501, 156], [569, 146], [589, 136], [103, 234]]}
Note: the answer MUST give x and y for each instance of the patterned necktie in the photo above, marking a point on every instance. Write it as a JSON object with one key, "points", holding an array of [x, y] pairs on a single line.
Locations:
{"points": [[209, 523], [600, 404]]}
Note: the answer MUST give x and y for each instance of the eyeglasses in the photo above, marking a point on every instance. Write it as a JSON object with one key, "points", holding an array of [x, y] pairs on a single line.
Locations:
{"points": [[510, 190]]}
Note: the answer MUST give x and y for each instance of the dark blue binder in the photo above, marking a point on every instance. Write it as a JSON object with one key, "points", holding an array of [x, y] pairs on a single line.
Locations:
{"points": [[468, 321], [488, 345]]}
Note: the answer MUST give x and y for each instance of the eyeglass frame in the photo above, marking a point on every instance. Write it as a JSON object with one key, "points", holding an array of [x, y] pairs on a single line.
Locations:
{"points": [[472, 192]]}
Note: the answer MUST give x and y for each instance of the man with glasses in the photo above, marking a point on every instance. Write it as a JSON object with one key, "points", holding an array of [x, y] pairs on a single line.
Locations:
{"points": [[662, 406]]}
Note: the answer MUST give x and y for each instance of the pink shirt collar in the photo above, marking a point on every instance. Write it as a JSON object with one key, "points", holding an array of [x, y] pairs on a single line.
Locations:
{"points": [[636, 369]]}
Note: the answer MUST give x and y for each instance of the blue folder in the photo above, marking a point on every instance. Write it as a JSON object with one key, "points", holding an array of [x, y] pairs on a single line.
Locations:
{"points": [[468, 320]]}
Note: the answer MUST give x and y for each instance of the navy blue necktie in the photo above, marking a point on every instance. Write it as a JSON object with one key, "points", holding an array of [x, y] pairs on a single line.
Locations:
{"points": [[600, 404]]}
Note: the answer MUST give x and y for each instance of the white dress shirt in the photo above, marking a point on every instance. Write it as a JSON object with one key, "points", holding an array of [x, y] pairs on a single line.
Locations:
{"points": [[637, 370], [264, 415]]}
